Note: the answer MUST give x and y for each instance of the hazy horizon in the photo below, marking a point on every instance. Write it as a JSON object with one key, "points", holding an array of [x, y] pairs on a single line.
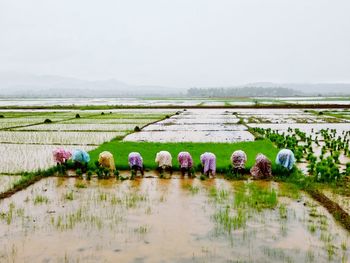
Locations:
{"points": [[181, 44]]}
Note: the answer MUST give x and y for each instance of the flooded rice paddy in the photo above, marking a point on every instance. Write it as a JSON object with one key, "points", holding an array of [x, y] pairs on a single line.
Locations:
{"points": [[155, 220], [195, 125], [6, 182], [27, 137]]}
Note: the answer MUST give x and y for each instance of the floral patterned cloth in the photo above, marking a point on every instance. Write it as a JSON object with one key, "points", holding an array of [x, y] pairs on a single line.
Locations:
{"points": [[164, 159], [185, 160], [262, 167], [238, 159], [80, 156], [106, 159], [285, 157], [208, 161], [135, 159], [61, 155]]}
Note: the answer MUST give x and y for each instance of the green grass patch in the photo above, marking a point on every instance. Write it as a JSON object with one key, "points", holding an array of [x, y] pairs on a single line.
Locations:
{"points": [[148, 150]]}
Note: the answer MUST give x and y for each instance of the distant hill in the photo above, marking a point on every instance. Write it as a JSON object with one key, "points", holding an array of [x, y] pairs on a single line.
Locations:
{"points": [[27, 85], [36, 86]]}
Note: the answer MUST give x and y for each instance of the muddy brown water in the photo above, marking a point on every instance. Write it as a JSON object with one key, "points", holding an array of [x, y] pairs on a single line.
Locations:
{"points": [[160, 220]]}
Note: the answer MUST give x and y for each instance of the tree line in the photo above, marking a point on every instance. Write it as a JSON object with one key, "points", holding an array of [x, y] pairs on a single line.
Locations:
{"points": [[243, 92]]}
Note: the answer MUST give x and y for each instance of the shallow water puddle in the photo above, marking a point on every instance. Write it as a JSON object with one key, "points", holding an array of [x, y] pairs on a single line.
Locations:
{"points": [[176, 220]]}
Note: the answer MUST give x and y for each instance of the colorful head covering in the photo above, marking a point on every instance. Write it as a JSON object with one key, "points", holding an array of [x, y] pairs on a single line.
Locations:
{"points": [[164, 159], [61, 155], [285, 157], [185, 160], [106, 159], [238, 159], [208, 161], [262, 167], [80, 156], [135, 159]]}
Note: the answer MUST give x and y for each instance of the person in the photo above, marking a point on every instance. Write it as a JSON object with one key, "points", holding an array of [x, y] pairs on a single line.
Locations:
{"points": [[81, 159], [105, 159], [208, 161], [136, 162], [238, 161], [164, 161], [61, 155], [285, 158], [262, 167], [186, 163]]}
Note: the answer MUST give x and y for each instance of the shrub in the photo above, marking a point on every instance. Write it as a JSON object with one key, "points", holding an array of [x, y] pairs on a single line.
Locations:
{"points": [[137, 129], [47, 121], [77, 116]]}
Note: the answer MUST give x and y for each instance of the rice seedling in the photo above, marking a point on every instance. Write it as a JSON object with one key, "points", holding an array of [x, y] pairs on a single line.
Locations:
{"points": [[312, 228], [69, 196], [343, 245], [80, 185], [229, 221], [8, 216], [144, 229], [253, 196], [283, 212], [192, 189], [219, 196], [80, 127], [310, 256], [58, 138], [40, 199], [330, 250]]}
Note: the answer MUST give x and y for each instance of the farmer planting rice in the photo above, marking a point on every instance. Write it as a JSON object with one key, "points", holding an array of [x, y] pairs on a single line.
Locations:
{"points": [[136, 162], [164, 161], [61, 155], [186, 163], [208, 161], [261, 168], [81, 159], [285, 158], [238, 160], [105, 159]]}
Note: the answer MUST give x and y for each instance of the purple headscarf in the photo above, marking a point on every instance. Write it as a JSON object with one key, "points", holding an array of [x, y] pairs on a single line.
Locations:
{"points": [[208, 161], [185, 160], [135, 159], [238, 159]]}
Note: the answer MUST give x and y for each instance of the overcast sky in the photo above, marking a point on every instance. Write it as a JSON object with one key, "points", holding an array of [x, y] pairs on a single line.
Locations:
{"points": [[178, 43]]}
